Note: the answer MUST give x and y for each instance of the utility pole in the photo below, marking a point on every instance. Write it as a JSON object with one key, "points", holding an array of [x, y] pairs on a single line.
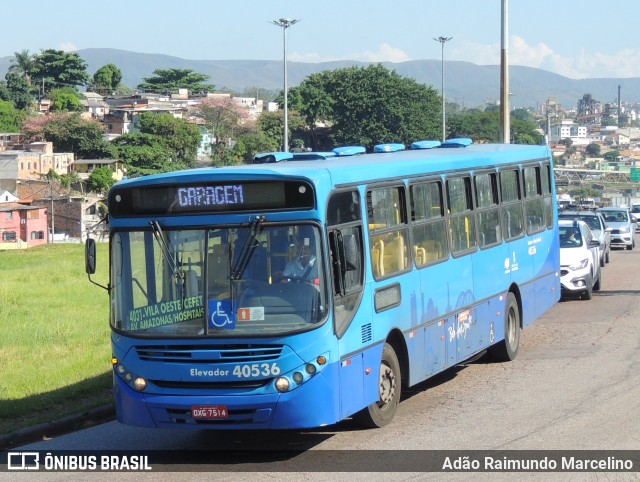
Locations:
{"points": [[285, 23], [505, 110], [53, 222], [442, 41]]}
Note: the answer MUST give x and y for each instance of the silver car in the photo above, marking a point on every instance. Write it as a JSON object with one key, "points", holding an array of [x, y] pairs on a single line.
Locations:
{"points": [[598, 228], [622, 226]]}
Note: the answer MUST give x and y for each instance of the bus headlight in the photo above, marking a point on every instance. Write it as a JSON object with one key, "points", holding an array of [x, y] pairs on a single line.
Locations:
{"points": [[301, 375], [282, 384], [140, 384]]}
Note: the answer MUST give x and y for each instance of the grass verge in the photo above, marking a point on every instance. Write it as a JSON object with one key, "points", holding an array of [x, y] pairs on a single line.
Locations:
{"points": [[54, 335]]}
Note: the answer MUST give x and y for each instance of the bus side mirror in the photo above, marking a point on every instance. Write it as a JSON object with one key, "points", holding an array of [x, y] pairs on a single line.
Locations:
{"points": [[90, 256]]}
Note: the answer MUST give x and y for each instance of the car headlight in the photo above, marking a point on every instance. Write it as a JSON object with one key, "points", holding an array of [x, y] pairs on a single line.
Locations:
{"points": [[579, 265], [626, 229]]}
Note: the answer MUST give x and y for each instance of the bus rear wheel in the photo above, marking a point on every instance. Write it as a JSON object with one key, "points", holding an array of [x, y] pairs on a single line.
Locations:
{"points": [[507, 349], [381, 413]]}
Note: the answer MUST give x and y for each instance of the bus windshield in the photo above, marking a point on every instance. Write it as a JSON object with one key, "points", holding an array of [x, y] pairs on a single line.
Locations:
{"points": [[246, 280]]}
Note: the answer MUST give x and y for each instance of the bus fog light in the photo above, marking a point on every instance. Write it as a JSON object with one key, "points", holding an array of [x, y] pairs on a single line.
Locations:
{"points": [[282, 384], [310, 369], [298, 377], [139, 384]]}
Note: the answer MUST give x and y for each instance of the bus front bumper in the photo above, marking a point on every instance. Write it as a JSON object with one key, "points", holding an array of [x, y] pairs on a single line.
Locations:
{"points": [[313, 404]]}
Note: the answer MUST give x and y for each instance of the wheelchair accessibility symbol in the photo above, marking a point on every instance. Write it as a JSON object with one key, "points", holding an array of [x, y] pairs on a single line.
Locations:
{"points": [[221, 315]]}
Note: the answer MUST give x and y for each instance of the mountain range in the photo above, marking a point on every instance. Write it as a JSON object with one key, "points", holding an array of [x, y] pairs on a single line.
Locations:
{"points": [[467, 84]]}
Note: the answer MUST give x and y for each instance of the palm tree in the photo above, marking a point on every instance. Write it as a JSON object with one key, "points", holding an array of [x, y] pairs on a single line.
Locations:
{"points": [[24, 64]]}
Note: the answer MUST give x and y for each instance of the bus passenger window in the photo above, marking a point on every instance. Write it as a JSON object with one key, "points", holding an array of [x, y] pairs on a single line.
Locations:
{"points": [[388, 230], [512, 217], [534, 204], [461, 221], [488, 209], [428, 224]]}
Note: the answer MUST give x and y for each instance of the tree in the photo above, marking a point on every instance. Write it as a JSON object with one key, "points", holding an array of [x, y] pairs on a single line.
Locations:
{"points": [[567, 142], [611, 156], [106, 80], [10, 117], [101, 179], [144, 154], [66, 99], [23, 65], [271, 125], [56, 69], [481, 126], [524, 130], [17, 90], [522, 114], [69, 132], [247, 145], [222, 116], [593, 150], [369, 105], [167, 80], [179, 136]]}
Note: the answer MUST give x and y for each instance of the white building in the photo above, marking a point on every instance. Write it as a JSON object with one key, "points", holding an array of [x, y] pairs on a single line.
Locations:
{"points": [[568, 129]]}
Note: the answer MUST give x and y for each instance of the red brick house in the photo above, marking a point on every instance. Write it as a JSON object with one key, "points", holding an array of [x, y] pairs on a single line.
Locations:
{"points": [[22, 226]]}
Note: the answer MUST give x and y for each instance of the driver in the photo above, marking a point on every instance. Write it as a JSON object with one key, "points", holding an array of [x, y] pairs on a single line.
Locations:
{"points": [[304, 265]]}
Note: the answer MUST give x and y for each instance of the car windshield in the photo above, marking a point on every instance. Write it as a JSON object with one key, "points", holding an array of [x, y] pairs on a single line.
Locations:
{"points": [[570, 237], [615, 216], [592, 222], [244, 280]]}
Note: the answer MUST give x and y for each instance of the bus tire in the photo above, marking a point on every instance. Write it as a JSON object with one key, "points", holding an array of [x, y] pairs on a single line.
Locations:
{"points": [[507, 349], [381, 413]]}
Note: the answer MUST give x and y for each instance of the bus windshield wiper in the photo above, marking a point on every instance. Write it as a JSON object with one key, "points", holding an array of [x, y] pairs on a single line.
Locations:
{"points": [[248, 248], [164, 248]]}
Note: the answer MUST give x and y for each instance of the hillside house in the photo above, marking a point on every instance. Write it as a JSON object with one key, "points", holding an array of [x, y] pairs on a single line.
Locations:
{"points": [[31, 163], [22, 226], [84, 167]]}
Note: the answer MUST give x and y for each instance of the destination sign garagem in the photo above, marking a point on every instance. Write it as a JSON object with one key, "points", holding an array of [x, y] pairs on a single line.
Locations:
{"points": [[216, 197]]}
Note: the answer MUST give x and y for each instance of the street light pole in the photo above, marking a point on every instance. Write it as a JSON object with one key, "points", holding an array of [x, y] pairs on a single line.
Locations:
{"points": [[442, 41], [285, 23], [505, 105]]}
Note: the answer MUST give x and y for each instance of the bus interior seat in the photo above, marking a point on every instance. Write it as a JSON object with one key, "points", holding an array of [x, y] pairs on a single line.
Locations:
{"points": [[376, 258], [191, 283], [393, 256], [257, 268], [218, 269], [427, 251]]}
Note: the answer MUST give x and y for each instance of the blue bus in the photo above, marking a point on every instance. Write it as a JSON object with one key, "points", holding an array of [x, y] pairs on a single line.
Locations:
{"points": [[299, 294]]}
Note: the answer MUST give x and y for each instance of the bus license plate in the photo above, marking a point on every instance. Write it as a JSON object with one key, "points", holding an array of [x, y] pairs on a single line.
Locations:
{"points": [[208, 412]]}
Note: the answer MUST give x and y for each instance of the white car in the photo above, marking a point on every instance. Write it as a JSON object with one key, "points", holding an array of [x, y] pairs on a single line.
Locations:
{"points": [[580, 271]]}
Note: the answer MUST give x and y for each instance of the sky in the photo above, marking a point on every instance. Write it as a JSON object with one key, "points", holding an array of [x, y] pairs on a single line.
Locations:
{"points": [[574, 38]]}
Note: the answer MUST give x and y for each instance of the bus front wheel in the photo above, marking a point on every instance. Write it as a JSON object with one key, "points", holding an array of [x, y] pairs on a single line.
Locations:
{"points": [[507, 349], [381, 413]]}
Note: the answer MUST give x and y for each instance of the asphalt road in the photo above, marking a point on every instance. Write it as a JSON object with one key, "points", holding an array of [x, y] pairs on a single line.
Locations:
{"points": [[575, 385]]}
